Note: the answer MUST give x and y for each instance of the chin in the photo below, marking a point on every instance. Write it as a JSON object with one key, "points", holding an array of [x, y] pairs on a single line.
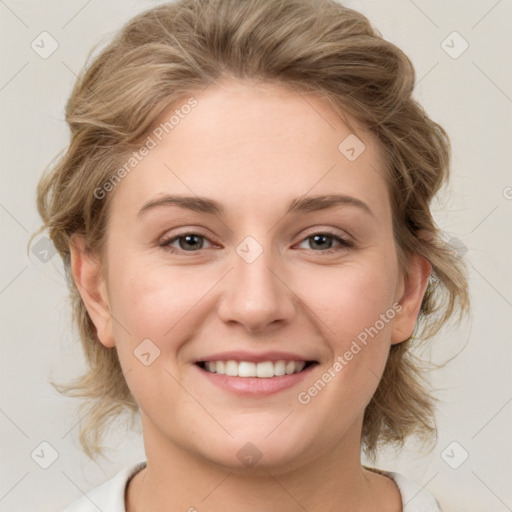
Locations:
{"points": [[257, 454]]}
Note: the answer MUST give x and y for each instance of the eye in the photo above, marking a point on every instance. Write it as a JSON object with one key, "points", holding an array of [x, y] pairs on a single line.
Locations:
{"points": [[323, 242], [188, 242]]}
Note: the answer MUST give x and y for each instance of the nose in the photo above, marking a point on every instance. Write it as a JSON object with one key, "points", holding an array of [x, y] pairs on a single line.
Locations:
{"points": [[256, 295]]}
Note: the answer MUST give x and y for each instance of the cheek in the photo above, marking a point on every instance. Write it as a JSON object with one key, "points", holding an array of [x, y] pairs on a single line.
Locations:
{"points": [[356, 307], [153, 307], [169, 304], [350, 298], [164, 303], [155, 302]]}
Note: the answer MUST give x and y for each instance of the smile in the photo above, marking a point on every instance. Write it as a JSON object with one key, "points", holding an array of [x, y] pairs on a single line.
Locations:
{"points": [[255, 379], [263, 369]]}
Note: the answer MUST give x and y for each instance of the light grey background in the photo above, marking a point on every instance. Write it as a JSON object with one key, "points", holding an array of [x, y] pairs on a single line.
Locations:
{"points": [[471, 96]]}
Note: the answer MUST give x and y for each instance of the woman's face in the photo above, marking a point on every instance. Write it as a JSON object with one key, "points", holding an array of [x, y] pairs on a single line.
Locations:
{"points": [[256, 232]]}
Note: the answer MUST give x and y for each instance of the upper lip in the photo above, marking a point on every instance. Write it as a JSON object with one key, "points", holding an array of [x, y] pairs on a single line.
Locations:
{"points": [[253, 357]]}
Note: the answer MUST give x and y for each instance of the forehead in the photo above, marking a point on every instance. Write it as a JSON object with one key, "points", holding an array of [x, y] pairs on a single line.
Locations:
{"points": [[254, 143]]}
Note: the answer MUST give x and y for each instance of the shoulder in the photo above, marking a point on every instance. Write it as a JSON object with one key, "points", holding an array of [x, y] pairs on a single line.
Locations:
{"points": [[109, 496], [414, 497]]}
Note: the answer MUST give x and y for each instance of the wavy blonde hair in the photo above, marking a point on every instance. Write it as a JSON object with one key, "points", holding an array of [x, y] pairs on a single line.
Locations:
{"points": [[320, 46]]}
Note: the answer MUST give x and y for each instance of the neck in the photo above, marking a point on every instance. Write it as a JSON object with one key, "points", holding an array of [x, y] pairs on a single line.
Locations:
{"points": [[177, 479]]}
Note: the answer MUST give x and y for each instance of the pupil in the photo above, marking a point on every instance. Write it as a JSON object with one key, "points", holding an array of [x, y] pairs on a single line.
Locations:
{"points": [[320, 238], [191, 241]]}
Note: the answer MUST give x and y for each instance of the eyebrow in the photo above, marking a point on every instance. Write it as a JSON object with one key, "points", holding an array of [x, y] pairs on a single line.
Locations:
{"points": [[300, 204]]}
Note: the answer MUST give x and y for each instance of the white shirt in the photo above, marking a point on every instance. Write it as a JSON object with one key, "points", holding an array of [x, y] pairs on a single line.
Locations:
{"points": [[109, 496]]}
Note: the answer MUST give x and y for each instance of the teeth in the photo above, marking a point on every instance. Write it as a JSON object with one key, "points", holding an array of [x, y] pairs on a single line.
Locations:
{"points": [[264, 370]]}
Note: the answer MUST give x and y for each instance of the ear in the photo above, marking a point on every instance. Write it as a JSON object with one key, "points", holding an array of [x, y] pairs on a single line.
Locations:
{"points": [[415, 285], [87, 274]]}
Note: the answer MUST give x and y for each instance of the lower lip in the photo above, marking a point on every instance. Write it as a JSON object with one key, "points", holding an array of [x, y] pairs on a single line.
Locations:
{"points": [[255, 386]]}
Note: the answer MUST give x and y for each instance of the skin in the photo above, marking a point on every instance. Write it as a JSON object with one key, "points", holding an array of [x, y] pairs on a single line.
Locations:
{"points": [[253, 148]]}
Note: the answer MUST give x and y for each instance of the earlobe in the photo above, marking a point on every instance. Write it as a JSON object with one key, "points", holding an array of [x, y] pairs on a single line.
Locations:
{"points": [[87, 274], [415, 286]]}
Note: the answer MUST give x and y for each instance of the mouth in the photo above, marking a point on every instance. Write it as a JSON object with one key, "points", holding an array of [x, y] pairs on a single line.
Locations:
{"points": [[261, 370]]}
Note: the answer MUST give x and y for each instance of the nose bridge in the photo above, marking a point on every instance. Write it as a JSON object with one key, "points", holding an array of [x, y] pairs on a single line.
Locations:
{"points": [[256, 295]]}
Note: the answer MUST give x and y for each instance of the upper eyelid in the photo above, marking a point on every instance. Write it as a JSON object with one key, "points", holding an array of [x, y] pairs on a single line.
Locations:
{"points": [[310, 231]]}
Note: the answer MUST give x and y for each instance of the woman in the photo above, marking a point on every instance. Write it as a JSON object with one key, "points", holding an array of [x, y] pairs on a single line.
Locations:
{"points": [[243, 213]]}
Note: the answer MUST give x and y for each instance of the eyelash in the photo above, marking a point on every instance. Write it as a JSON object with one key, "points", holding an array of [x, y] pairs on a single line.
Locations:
{"points": [[343, 243]]}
